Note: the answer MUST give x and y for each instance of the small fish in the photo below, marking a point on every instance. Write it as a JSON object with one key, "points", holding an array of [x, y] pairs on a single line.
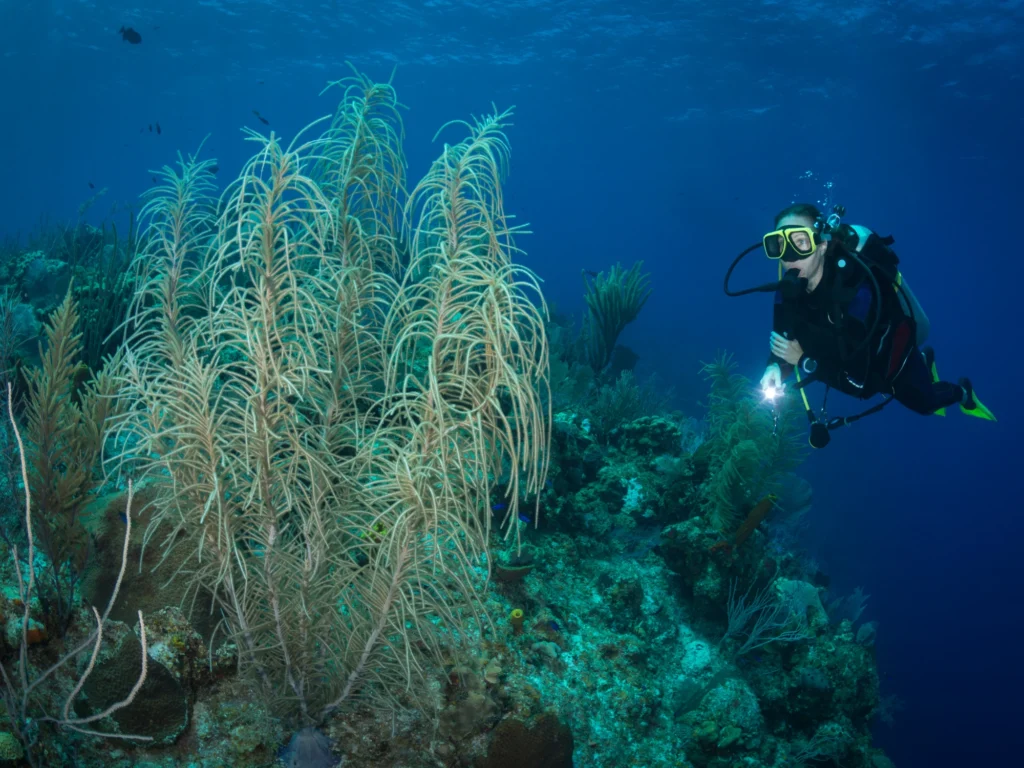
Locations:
{"points": [[91, 185], [158, 131], [214, 169], [589, 273], [261, 118], [154, 179], [260, 83], [499, 507], [553, 626], [124, 517], [129, 35], [525, 518]]}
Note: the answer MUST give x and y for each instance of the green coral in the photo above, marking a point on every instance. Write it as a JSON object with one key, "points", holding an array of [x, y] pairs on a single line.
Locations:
{"points": [[10, 747], [614, 300], [651, 436], [747, 452], [625, 400]]}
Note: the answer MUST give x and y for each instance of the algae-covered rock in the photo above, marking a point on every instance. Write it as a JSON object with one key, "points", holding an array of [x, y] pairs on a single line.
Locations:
{"points": [[11, 750], [733, 705], [234, 729], [45, 282], [729, 736], [160, 710], [544, 743], [177, 646], [804, 599], [649, 436]]}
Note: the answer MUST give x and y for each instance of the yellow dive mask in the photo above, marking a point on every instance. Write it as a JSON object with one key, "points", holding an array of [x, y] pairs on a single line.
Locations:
{"points": [[791, 243]]}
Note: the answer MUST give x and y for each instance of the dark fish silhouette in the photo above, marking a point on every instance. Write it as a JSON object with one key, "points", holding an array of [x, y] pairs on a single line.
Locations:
{"points": [[154, 179], [214, 169], [261, 118], [129, 35], [158, 129], [91, 185]]}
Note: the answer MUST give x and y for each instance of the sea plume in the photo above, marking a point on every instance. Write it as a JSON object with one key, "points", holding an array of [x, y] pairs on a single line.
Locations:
{"points": [[326, 380]]}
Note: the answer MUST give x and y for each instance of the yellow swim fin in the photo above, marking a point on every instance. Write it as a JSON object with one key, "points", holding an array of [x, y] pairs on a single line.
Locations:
{"points": [[977, 409]]}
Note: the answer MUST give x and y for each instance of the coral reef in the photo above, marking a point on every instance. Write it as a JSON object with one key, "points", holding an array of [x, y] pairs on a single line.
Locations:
{"points": [[373, 518]]}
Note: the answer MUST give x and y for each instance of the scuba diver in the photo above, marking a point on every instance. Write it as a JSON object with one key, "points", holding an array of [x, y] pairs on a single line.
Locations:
{"points": [[844, 316]]}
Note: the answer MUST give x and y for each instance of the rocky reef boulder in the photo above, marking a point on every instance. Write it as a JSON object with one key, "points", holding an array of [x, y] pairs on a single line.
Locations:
{"points": [[546, 742], [160, 710]]}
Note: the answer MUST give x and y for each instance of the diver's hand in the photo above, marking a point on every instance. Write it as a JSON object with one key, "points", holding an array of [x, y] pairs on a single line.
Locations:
{"points": [[772, 379], [786, 349]]}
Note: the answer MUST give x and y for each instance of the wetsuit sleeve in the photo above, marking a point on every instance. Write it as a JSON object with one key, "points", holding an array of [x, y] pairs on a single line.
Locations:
{"points": [[780, 325]]}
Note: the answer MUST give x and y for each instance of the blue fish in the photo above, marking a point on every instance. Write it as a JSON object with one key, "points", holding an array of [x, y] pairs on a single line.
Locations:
{"points": [[553, 626], [124, 517], [499, 507], [524, 518]]}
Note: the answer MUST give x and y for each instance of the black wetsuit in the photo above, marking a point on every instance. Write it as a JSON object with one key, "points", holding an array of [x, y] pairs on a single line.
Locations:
{"points": [[831, 323]]}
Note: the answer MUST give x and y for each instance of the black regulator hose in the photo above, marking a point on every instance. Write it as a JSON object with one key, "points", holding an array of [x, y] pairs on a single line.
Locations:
{"points": [[878, 304], [766, 288]]}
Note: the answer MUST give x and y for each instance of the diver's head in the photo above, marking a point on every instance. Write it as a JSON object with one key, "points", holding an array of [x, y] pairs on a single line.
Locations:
{"points": [[797, 241]]}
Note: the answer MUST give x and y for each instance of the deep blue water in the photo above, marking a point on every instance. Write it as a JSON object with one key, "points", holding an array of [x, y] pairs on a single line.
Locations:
{"points": [[668, 132]]}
